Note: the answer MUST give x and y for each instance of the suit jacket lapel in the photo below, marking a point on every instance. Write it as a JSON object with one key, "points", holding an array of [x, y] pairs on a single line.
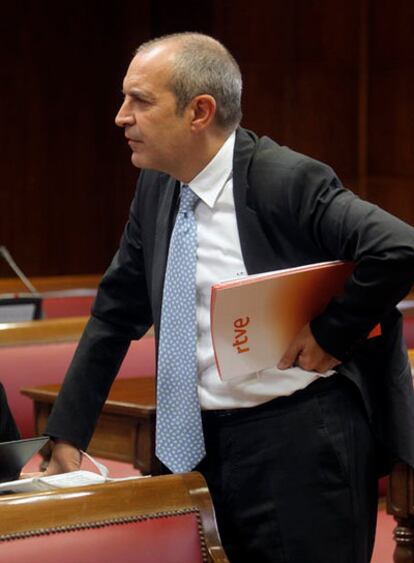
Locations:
{"points": [[164, 223], [258, 254]]}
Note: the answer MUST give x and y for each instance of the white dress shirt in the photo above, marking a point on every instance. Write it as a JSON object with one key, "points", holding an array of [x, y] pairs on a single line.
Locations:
{"points": [[219, 258]]}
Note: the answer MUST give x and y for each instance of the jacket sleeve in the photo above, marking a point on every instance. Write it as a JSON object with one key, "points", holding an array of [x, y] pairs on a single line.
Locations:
{"points": [[121, 312], [310, 217], [8, 427], [345, 227]]}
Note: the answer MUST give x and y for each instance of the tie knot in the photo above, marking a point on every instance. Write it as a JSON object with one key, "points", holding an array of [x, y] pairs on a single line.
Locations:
{"points": [[188, 199]]}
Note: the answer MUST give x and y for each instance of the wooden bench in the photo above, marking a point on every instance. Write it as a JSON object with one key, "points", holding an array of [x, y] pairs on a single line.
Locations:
{"points": [[39, 352], [45, 331], [42, 331], [62, 296], [167, 519], [51, 283]]}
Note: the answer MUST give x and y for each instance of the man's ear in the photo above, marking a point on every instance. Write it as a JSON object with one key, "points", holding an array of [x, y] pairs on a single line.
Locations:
{"points": [[203, 111]]}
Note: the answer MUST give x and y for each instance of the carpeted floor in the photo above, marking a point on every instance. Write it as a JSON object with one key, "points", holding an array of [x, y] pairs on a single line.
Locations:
{"points": [[384, 544]]}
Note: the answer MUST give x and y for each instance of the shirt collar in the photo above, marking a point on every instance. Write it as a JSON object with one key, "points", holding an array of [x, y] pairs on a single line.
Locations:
{"points": [[209, 183]]}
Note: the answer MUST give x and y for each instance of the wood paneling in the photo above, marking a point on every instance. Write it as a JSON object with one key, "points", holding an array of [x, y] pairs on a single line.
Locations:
{"points": [[182, 15], [66, 176], [394, 193], [390, 164], [300, 77], [332, 79]]}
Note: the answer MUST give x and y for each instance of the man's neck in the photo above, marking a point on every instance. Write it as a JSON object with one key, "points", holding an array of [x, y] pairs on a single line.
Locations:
{"points": [[201, 153]]}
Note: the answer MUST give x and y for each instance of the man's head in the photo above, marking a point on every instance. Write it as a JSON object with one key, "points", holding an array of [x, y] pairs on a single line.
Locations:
{"points": [[202, 65], [182, 96]]}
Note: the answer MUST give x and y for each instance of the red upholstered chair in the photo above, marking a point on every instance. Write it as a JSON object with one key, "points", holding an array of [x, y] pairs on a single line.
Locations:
{"points": [[408, 329], [31, 364], [67, 306], [28, 365], [167, 519]]}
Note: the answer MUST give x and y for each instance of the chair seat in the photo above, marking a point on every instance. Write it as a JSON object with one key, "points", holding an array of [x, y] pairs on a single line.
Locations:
{"points": [[168, 539]]}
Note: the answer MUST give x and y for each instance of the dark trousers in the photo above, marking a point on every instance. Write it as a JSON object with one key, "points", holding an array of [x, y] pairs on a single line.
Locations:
{"points": [[294, 480]]}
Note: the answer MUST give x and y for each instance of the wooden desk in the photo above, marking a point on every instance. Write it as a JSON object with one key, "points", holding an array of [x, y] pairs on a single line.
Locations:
{"points": [[126, 427]]}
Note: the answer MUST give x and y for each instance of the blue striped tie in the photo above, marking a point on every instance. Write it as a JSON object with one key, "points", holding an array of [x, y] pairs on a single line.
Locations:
{"points": [[179, 432]]}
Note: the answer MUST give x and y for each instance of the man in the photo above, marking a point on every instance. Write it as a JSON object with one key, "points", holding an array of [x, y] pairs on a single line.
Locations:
{"points": [[291, 454]]}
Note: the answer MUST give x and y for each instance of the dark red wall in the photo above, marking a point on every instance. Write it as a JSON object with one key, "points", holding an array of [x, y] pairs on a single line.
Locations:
{"points": [[332, 79]]}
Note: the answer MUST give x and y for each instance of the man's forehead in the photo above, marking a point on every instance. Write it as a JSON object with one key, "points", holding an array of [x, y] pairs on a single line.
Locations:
{"points": [[152, 65], [156, 58]]}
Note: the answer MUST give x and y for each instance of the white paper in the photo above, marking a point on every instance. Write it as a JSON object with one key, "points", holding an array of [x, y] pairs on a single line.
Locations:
{"points": [[72, 479]]}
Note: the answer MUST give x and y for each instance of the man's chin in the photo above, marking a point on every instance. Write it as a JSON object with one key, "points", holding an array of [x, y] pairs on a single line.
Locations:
{"points": [[137, 161]]}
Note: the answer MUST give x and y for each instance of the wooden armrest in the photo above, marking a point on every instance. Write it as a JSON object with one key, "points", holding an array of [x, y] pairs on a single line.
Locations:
{"points": [[26, 514]]}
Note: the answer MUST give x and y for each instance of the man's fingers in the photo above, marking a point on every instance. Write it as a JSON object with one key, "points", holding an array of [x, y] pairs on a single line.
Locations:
{"points": [[306, 353], [290, 357]]}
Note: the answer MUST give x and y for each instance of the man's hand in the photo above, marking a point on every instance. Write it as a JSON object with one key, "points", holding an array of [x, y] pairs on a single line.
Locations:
{"points": [[65, 458], [306, 353]]}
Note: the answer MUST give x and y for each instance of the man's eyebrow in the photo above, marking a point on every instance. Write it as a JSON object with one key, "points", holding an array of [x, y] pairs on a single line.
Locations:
{"points": [[138, 93]]}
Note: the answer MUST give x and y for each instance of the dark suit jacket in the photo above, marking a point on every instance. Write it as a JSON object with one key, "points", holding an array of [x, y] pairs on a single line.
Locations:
{"points": [[291, 210], [8, 428]]}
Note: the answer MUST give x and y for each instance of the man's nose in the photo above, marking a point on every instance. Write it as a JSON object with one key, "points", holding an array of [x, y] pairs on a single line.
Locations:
{"points": [[124, 117]]}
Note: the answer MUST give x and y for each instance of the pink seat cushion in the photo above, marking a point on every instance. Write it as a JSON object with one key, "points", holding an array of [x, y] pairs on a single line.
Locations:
{"points": [[166, 539]]}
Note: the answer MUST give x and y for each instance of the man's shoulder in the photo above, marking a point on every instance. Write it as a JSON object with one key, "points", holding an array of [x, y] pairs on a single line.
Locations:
{"points": [[267, 155]]}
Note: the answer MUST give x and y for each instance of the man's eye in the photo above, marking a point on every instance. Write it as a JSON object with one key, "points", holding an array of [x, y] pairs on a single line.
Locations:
{"points": [[141, 101]]}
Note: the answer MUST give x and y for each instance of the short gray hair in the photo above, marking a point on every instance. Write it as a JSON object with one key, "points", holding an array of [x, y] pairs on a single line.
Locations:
{"points": [[202, 65]]}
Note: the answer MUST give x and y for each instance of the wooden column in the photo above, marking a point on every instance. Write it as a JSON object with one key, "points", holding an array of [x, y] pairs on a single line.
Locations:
{"points": [[400, 503]]}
